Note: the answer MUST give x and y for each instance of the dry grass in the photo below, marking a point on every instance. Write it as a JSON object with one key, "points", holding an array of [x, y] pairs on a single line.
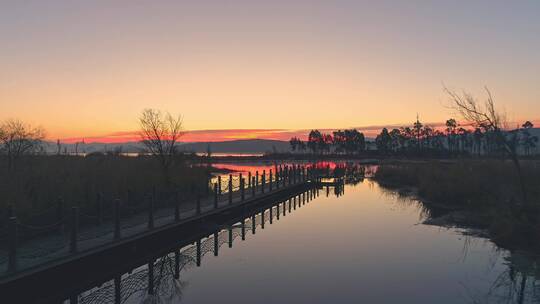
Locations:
{"points": [[38, 182], [488, 189]]}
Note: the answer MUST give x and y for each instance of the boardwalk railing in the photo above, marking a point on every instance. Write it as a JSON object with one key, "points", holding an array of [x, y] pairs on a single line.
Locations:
{"points": [[162, 283], [66, 237]]}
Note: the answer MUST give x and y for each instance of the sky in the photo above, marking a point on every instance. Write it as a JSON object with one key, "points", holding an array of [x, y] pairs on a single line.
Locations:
{"points": [[86, 69]]}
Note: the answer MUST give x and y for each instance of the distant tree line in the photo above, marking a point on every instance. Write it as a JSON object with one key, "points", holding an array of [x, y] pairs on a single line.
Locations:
{"points": [[419, 139], [455, 140], [340, 142]]}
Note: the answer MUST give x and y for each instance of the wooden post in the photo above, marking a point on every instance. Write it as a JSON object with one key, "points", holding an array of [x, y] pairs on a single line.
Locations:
{"points": [[263, 181], [253, 186], [242, 188], [230, 238], [177, 264], [215, 195], [249, 180], [243, 229], [253, 224], [117, 290], [289, 175], [151, 211], [230, 188], [270, 180], [177, 207], [216, 243], [256, 179], [262, 219], [294, 202], [277, 178], [116, 219], [198, 253], [219, 184], [271, 214], [290, 203], [277, 211], [74, 225], [12, 254], [284, 207], [151, 277]]}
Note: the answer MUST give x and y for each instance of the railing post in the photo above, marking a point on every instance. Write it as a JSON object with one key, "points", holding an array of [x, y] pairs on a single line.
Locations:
{"points": [[230, 237], [198, 253], [12, 254], [262, 219], [151, 211], [289, 175], [151, 277], [230, 189], [219, 184], [256, 179], [215, 195], [253, 224], [177, 264], [117, 290], [281, 177], [263, 181], [270, 180], [177, 207], [249, 180], [290, 202], [242, 188], [243, 226], [216, 244], [271, 214], [117, 219], [74, 224], [253, 186], [277, 178]]}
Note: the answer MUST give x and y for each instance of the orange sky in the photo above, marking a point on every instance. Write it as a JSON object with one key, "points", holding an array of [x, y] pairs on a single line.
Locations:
{"points": [[85, 69]]}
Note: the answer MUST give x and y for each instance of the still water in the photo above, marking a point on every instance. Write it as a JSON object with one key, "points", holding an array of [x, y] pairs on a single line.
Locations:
{"points": [[366, 245]]}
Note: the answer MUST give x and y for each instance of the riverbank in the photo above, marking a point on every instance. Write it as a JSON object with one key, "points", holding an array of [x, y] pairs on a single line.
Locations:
{"points": [[482, 194]]}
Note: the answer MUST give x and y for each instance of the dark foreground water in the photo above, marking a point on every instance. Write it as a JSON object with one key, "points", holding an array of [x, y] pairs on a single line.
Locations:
{"points": [[364, 246]]}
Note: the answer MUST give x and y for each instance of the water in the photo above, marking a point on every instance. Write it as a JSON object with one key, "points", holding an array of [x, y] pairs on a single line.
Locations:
{"points": [[365, 246]]}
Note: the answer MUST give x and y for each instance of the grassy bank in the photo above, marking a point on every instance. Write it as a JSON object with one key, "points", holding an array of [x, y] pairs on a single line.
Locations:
{"points": [[37, 183], [486, 192]]}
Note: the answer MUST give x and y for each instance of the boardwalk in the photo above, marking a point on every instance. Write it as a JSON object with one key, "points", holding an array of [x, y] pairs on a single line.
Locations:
{"points": [[39, 261]]}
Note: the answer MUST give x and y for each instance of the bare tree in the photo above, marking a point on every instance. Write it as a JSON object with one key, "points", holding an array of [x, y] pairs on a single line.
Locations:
{"points": [[160, 133], [488, 119], [18, 139]]}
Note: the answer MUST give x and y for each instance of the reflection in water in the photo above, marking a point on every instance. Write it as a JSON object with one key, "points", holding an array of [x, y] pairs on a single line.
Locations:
{"points": [[160, 280], [357, 242], [518, 282]]}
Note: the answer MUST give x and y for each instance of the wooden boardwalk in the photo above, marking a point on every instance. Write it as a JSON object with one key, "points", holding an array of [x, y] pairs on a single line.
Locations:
{"points": [[97, 258]]}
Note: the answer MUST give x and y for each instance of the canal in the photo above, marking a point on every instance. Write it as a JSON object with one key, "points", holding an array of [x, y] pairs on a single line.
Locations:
{"points": [[359, 244]]}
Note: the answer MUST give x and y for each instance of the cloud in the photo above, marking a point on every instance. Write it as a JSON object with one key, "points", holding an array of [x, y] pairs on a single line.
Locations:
{"points": [[238, 134]]}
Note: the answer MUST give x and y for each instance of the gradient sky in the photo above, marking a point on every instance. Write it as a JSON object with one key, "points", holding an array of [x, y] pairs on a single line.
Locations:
{"points": [[88, 68]]}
